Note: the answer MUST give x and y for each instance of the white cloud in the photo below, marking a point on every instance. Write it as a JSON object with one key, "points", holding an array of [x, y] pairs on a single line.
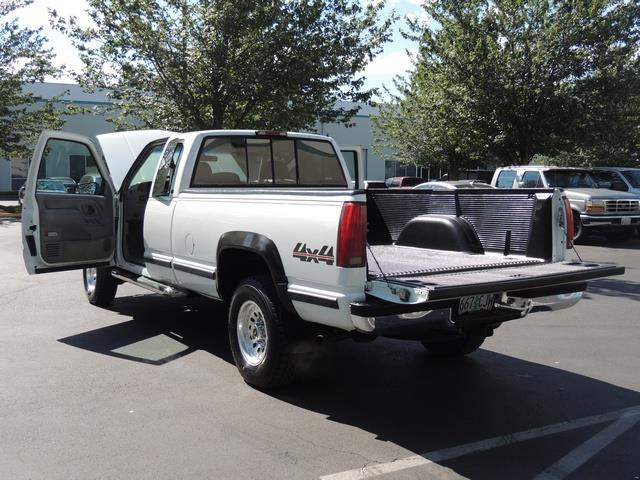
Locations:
{"points": [[422, 16], [36, 15], [390, 64]]}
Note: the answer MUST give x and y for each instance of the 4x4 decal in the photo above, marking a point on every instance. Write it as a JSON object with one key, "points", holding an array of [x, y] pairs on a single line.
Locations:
{"points": [[324, 254]]}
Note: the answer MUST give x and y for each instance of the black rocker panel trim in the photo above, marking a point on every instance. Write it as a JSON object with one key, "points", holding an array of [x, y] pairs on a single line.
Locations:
{"points": [[195, 271], [157, 261], [322, 302]]}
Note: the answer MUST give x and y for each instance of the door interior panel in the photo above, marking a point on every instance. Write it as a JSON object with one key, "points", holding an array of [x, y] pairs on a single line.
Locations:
{"points": [[76, 227]]}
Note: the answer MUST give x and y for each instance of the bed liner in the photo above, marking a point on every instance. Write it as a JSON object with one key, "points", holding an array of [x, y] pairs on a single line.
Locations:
{"points": [[395, 261]]}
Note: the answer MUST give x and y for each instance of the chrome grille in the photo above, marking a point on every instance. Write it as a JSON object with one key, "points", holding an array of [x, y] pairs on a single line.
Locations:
{"points": [[622, 206]]}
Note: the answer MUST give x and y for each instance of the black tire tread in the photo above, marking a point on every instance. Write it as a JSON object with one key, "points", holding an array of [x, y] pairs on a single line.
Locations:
{"points": [[106, 288], [457, 346], [282, 370]]}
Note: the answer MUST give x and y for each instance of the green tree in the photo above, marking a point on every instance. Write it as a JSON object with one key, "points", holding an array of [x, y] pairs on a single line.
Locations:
{"points": [[24, 58], [200, 64], [501, 81]]}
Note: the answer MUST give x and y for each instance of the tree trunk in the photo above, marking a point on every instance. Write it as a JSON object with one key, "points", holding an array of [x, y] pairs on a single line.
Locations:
{"points": [[453, 167]]}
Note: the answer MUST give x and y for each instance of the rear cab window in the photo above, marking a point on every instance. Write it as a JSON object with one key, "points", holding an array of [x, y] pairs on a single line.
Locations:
{"points": [[246, 161]]}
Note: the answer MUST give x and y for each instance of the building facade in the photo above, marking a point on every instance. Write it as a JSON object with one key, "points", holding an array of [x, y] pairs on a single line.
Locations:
{"points": [[13, 173]]}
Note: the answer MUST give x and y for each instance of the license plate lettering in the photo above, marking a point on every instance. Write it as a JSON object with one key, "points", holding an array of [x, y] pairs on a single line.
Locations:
{"points": [[476, 303]]}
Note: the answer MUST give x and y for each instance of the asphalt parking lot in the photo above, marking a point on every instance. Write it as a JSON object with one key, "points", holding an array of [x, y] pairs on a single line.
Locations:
{"points": [[147, 389]]}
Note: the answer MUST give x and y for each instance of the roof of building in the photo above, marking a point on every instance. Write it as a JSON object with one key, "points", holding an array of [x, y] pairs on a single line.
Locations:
{"points": [[70, 91]]}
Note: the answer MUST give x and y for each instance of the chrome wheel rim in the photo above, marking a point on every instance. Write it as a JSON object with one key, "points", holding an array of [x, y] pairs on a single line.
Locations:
{"points": [[577, 227], [252, 333], [90, 279]]}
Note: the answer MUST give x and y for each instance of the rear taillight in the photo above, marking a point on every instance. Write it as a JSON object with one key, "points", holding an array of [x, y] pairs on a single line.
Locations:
{"points": [[568, 217], [352, 235]]}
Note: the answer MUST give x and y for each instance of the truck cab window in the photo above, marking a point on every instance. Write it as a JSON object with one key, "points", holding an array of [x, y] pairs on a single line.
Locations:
{"points": [[163, 183], [284, 162], [68, 167], [148, 167], [351, 159], [259, 161], [506, 178], [318, 164], [532, 180], [222, 161], [272, 162]]}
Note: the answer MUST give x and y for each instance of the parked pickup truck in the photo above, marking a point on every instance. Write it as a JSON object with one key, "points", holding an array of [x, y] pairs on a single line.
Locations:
{"points": [[614, 213], [269, 223]]}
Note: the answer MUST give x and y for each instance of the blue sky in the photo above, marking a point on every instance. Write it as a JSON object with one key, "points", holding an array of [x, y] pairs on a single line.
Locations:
{"points": [[392, 61]]}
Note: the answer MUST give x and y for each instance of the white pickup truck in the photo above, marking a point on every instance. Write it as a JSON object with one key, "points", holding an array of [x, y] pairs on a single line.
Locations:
{"points": [[273, 224]]}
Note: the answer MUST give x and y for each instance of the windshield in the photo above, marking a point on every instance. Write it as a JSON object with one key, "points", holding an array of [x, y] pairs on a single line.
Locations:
{"points": [[633, 176], [569, 179]]}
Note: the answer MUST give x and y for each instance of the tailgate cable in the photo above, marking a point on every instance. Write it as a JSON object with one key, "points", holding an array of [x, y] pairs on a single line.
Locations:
{"points": [[576, 252], [379, 267]]}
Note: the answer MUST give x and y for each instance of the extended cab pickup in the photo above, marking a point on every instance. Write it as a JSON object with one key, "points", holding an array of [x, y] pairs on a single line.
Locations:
{"points": [[273, 224]]}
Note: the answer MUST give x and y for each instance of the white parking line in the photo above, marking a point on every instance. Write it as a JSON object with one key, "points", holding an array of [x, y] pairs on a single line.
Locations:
{"points": [[495, 442], [581, 455]]}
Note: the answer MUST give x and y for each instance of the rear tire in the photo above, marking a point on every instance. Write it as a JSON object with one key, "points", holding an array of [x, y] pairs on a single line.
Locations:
{"points": [[456, 346], [258, 336], [99, 286]]}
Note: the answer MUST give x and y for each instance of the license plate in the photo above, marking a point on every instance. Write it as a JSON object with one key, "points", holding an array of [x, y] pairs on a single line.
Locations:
{"points": [[476, 303], [625, 221]]}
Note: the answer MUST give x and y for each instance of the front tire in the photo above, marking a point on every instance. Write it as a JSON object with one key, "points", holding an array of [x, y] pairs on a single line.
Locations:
{"points": [[258, 336], [455, 346], [99, 286], [578, 228]]}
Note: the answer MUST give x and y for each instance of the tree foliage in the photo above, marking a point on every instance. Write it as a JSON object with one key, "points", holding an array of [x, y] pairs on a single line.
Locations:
{"points": [[503, 80], [199, 64], [24, 58]]}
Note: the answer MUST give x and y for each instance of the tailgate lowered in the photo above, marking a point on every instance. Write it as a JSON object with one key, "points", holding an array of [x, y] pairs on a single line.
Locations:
{"points": [[427, 292]]}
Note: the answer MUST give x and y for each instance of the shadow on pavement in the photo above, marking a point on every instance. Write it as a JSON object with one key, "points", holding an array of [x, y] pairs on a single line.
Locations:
{"points": [[613, 287], [160, 330], [394, 391], [594, 240]]}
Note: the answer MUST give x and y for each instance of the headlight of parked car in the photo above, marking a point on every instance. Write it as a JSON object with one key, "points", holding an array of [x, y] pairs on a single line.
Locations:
{"points": [[595, 206]]}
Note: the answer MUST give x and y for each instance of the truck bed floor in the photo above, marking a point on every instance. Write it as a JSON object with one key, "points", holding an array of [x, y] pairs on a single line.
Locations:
{"points": [[394, 261]]}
